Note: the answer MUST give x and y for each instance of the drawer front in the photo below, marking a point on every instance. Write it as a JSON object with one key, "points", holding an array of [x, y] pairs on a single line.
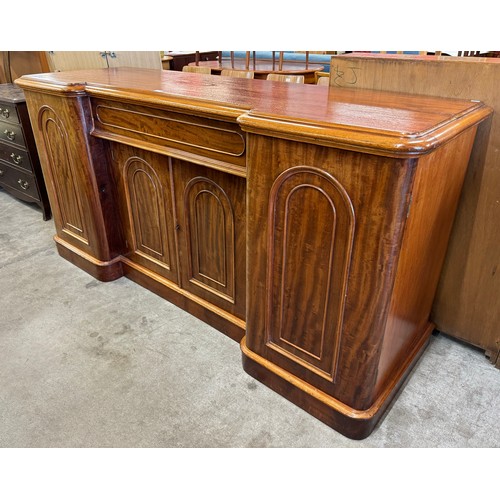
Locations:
{"points": [[8, 113], [168, 130], [15, 156], [22, 182], [11, 133]]}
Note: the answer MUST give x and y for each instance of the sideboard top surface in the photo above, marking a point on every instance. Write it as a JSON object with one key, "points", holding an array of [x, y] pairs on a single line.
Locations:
{"points": [[390, 120]]}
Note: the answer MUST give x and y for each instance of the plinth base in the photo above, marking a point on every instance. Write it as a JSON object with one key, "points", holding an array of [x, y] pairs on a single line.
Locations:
{"points": [[352, 423]]}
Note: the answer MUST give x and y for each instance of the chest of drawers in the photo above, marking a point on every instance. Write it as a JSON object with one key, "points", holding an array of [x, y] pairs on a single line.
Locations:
{"points": [[20, 172]]}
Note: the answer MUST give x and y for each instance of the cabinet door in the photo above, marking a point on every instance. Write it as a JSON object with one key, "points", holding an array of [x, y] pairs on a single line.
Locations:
{"points": [[71, 60], [210, 208], [136, 59], [146, 211]]}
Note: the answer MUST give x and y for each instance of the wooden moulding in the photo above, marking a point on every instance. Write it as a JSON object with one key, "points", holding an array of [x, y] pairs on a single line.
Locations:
{"points": [[352, 423]]}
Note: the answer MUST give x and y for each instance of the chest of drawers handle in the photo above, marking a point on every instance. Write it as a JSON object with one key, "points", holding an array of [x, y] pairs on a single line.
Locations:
{"points": [[1, 173], [4, 112], [17, 159], [24, 184], [10, 134]]}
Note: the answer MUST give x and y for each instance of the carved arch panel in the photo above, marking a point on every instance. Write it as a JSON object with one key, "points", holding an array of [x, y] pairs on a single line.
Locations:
{"points": [[63, 175], [210, 237], [311, 231], [149, 212]]}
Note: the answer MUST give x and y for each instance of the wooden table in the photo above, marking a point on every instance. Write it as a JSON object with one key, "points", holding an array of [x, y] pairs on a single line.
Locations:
{"points": [[310, 225], [262, 68]]}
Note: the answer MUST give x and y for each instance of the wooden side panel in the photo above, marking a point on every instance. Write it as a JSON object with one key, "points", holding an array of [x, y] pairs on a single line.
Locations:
{"points": [[210, 207], [78, 183], [319, 295], [435, 194], [308, 265], [62, 168], [466, 303]]}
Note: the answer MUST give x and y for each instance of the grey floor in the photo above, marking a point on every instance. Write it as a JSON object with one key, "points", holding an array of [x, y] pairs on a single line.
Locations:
{"points": [[90, 364]]}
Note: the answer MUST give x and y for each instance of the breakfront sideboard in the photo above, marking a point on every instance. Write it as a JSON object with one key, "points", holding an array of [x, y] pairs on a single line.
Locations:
{"points": [[309, 224]]}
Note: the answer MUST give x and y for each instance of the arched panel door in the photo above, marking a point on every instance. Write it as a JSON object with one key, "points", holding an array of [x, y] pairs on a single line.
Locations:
{"points": [[147, 210], [210, 236], [69, 206], [211, 211], [311, 230]]}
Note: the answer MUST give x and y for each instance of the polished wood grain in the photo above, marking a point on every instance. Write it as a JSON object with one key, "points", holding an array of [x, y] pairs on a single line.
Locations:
{"points": [[187, 136], [308, 248], [144, 202], [465, 305], [373, 193], [210, 208], [78, 183]]}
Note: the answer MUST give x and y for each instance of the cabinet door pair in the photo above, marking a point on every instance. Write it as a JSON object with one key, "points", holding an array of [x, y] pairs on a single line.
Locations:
{"points": [[184, 222]]}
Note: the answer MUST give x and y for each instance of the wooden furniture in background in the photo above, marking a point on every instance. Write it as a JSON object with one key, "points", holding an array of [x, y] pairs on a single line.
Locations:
{"points": [[181, 59], [165, 62], [310, 224], [275, 77], [196, 69], [14, 64], [467, 303], [20, 171], [236, 73], [263, 68], [323, 80], [71, 60]]}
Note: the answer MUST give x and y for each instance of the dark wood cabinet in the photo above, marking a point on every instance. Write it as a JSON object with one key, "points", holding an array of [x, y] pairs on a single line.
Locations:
{"points": [[181, 59], [20, 171]]}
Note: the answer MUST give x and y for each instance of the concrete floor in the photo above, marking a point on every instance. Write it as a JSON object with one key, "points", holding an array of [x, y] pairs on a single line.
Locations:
{"points": [[91, 364]]}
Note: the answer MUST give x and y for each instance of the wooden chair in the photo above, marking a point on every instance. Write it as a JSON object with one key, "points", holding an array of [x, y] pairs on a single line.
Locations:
{"points": [[323, 80], [236, 73], [197, 69], [277, 77]]}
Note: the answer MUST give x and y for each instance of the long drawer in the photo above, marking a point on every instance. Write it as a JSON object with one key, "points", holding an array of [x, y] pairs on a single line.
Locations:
{"points": [[15, 156], [207, 141], [19, 180]]}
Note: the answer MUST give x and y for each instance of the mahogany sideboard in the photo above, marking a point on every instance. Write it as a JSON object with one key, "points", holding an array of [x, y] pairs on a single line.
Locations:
{"points": [[308, 223]]}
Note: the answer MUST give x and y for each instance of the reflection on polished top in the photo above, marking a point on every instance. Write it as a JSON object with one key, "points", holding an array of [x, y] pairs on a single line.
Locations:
{"points": [[402, 123]]}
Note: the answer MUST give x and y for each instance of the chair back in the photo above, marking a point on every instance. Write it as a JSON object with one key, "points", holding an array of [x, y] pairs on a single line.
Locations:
{"points": [[278, 77], [236, 73], [197, 69]]}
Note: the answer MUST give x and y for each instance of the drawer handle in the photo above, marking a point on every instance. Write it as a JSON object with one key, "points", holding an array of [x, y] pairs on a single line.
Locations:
{"points": [[11, 135], [24, 184], [5, 112], [17, 159], [1, 173]]}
